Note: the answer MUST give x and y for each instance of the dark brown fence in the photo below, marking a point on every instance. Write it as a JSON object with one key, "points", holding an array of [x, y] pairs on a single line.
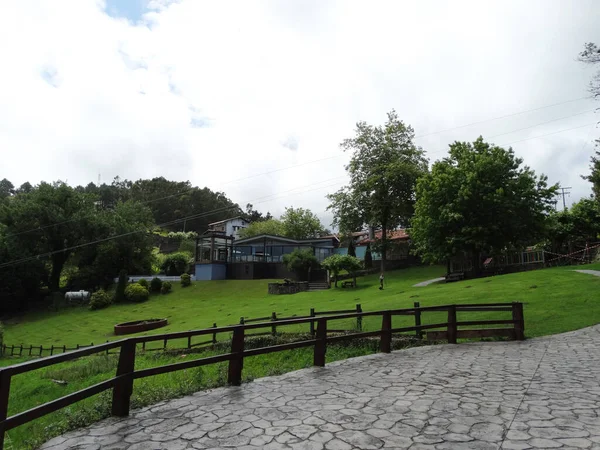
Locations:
{"points": [[122, 383]]}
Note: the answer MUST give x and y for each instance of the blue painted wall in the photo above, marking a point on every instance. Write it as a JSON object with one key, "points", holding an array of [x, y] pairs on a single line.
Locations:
{"points": [[207, 272]]}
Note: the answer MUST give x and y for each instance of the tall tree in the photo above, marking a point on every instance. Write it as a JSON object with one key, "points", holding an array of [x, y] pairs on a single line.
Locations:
{"points": [[254, 215], [6, 188], [594, 176], [479, 199], [300, 223], [383, 170], [272, 227], [591, 55]]}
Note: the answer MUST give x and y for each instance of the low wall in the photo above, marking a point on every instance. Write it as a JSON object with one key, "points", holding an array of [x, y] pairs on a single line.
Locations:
{"points": [[291, 288]]}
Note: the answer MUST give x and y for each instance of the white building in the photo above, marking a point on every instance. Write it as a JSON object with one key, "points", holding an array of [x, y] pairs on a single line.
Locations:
{"points": [[231, 227]]}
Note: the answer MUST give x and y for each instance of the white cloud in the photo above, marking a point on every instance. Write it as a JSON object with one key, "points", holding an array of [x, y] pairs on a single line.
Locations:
{"points": [[218, 91]]}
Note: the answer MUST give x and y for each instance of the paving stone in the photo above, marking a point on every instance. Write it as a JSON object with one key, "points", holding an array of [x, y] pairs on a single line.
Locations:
{"points": [[540, 393]]}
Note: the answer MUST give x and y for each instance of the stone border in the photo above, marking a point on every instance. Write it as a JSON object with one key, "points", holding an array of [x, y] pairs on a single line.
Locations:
{"points": [[138, 326]]}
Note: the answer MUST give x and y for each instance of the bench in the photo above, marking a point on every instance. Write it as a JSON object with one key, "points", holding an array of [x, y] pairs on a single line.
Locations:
{"points": [[456, 276], [347, 284]]}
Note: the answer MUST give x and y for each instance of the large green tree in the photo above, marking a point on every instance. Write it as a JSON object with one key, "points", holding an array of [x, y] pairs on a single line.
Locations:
{"points": [[479, 199], [272, 227], [591, 56], [300, 223], [384, 169]]}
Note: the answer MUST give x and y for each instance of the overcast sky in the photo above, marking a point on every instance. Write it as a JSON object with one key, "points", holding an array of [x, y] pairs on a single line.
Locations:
{"points": [[221, 92]]}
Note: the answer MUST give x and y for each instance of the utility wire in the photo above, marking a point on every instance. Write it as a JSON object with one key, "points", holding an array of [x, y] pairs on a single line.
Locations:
{"points": [[339, 156]]}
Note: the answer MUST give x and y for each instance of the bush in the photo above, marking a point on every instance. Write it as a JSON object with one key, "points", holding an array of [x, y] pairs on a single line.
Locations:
{"points": [[143, 282], [165, 288], [176, 263], [136, 293], [100, 299], [121, 285], [186, 280], [155, 284]]}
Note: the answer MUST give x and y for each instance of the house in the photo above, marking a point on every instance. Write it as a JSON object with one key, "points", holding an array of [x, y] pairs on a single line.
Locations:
{"points": [[229, 227], [219, 256]]}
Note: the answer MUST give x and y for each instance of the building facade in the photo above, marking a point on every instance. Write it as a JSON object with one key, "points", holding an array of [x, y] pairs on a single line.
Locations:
{"points": [[230, 227]]}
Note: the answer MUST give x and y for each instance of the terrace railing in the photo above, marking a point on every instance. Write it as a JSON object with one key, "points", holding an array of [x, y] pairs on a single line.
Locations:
{"points": [[122, 383]]}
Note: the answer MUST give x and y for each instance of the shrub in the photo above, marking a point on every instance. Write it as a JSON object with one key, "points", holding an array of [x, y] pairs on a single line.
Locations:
{"points": [[100, 299], [165, 288], [155, 284], [143, 282], [176, 263], [186, 280], [300, 261], [121, 285], [136, 293]]}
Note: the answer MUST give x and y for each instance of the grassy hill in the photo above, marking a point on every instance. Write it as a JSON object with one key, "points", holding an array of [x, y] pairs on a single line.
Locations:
{"points": [[556, 300]]}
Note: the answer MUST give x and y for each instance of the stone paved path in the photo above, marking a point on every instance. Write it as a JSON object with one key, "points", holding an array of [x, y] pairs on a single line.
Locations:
{"points": [[589, 272], [540, 393], [428, 282]]}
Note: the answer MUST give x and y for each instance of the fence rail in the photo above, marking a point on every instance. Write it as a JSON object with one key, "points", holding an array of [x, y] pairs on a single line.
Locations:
{"points": [[122, 383]]}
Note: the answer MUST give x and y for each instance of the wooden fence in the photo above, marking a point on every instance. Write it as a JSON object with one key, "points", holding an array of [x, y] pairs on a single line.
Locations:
{"points": [[40, 350], [122, 383]]}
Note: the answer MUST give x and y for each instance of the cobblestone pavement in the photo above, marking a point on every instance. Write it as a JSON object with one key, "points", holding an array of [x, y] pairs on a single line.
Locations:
{"points": [[428, 282], [540, 393]]}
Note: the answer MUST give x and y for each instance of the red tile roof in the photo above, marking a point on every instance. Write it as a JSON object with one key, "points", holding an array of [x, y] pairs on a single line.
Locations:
{"points": [[394, 235]]}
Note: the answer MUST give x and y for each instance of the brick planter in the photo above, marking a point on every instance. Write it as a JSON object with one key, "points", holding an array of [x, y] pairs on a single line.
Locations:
{"points": [[289, 288], [139, 325]]}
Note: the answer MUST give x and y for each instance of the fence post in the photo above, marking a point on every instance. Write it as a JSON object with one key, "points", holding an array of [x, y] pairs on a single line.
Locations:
{"points": [[107, 349], [65, 348], [124, 385], [30, 348], [21, 350], [274, 327], [41, 349], [52, 349], [418, 332], [241, 321], [386, 333], [189, 342], [214, 334], [236, 364], [4, 395], [452, 324], [519, 322], [321, 344], [165, 344], [312, 323], [359, 318]]}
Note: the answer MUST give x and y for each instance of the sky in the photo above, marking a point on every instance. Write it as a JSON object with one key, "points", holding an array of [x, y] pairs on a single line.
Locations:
{"points": [[252, 98]]}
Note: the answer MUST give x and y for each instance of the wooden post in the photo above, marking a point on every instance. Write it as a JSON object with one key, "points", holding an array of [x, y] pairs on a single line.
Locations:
{"points": [[77, 348], [359, 318], [214, 334], [107, 349], [386, 333], [124, 385], [21, 350], [4, 395], [65, 348], [164, 344], [519, 322], [241, 321], [189, 342], [52, 349], [30, 348], [321, 344], [12, 350], [452, 324], [274, 327], [41, 349], [312, 323], [237, 363], [418, 332], [144, 346]]}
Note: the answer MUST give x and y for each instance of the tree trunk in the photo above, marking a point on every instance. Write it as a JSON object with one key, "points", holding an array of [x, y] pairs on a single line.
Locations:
{"points": [[58, 262], [335, 278], [383, 246]]}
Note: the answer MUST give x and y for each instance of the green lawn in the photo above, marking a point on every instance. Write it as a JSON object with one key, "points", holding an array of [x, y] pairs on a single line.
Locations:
{"points": [[555, 300]]}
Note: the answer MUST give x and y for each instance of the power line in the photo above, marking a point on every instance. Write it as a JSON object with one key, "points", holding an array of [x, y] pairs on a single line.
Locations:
{"points": [[564, 191], [339, 156], [194, 216]]}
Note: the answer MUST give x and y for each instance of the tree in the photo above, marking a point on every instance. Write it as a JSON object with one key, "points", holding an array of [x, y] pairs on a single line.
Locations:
{"points": [[333, 263], [591, 55], [272, 227], [25, 188], [254, 216], [300, 261], [384, 169], [6, 188], [300, 223], [574, 227], [594, 176], [479, 199], [352, 265]]}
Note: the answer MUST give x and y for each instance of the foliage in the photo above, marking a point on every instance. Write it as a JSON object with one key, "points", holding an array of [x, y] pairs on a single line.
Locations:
{"points": [[165, 288], [187, 246], [383, 170], [186, 280], [136, 293], [182, 235], [143, 282], [155, 284], [594, 176], [574, 227], [368, 258], [300, 223], [121, 285], [254, 216], [273, 227], [337, 263], [176, 263], [300, 261], [479, 199], [591, 55], [100, 299]]}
